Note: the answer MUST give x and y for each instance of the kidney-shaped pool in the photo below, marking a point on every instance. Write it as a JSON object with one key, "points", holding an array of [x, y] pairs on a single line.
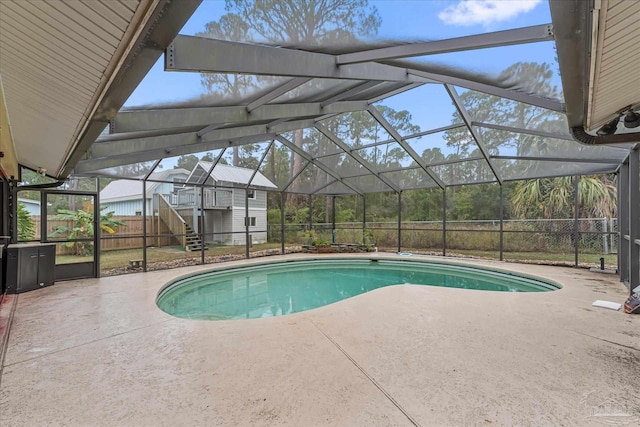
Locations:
{"points": [[285, 287]]}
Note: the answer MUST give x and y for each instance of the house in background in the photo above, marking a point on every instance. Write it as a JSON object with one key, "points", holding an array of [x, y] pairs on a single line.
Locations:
{"points": [[223, 201], [32, 206], [124, 196], [176, 206]]}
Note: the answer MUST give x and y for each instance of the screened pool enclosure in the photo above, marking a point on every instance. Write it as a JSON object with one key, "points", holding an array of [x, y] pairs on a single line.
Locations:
{"points": [[347, 138]]}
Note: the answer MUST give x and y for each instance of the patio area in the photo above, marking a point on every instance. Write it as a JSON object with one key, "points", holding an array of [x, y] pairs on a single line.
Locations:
{"points": [[99, 352]]}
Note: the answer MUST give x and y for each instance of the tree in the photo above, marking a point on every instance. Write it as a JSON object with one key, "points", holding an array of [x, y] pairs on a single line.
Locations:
{"points": [[532, 198], [298, 22], [496, 110], [189, 161]]}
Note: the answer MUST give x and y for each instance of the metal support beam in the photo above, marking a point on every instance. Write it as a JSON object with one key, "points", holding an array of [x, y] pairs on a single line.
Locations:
{"points": [[402, 88], [549, 104], [333, 219], [444, 221], [378, 117], [202, 225], [501, 222], [310, 212], [98, 231], [351, 92], [246, 224], [95, 164], [295, 176], [255, 171], [202, 132], [476, 136], [355, 156], [576, 215], [364, 218], [399, 221], [524, 35], [533, 132], [144, 225], [299, 151], [634, 219], [195, 54], [148, 149], [323, 186], [413, 135], [279, 91], [213, 166], [613, 162], [623, 222], [282, 235], [180, 118], [432, 131]]}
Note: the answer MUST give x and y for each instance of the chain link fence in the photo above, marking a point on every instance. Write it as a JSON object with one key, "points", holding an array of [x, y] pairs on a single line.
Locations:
{"points": [[552, 240]]}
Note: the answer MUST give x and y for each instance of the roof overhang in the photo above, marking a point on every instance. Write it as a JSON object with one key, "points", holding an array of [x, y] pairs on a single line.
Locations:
{"points": [[68, 67], [597, 52]]}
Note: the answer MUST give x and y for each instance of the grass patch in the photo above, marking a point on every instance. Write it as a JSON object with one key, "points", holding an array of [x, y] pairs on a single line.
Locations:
{"points": [[610, 260], [120, 258]]}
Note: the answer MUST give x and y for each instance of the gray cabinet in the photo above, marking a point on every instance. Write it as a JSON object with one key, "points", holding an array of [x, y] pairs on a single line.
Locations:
{"points": [[30, 266]]}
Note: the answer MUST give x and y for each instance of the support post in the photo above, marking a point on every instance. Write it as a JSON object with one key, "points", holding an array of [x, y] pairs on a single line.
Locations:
{"points": [[605, 236], [623, 222], [501, 223], [246, 223], [97, 232], [634, 222], [310, 212], [202, 220], [444, 221], [364, 219], [576, 213], [282, 222], [333, 219], [399, 221], [144, 225]]}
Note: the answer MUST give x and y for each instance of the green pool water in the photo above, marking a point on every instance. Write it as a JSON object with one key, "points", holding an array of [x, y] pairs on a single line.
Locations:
{"points": [[277, 289]]}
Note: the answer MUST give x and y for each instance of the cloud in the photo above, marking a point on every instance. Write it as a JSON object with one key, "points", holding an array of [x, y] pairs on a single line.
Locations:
{"points": [[485, 12]]}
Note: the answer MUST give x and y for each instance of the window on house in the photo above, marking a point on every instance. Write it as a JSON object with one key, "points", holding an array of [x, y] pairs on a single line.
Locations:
{"points": [[251, 194], [250, 220], [138, 213]]}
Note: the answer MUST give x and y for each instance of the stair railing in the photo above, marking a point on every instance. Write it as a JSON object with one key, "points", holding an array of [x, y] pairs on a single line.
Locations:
{"points": [[173, 219]]}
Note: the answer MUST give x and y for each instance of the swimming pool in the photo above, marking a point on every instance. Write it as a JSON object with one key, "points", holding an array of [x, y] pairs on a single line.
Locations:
{"points": [[280, 288]]}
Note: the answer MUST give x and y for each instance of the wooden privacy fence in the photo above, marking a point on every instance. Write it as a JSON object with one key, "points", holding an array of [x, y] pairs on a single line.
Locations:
{"points": [[127, 236]]}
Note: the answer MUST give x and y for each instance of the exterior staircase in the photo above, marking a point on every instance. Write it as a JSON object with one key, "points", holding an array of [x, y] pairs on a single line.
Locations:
{"points": [[192, 240], [178, 226]]}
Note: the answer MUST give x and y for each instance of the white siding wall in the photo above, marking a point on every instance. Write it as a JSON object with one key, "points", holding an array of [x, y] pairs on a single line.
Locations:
{"points": [[226, 225], [257, 209], [32, 208], [126, 207]]}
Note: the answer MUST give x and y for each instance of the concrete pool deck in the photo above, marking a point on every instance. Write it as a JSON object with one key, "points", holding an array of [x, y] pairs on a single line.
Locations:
{"points": [[99, 352]]}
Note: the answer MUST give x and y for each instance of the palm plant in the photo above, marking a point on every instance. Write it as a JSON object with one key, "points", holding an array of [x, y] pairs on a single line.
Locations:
{"points": [[81, 227], [553, 197]]}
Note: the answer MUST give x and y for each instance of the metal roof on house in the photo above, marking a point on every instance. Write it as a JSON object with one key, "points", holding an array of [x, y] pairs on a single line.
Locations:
{"points": [[237, 175], [128, 189]]}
